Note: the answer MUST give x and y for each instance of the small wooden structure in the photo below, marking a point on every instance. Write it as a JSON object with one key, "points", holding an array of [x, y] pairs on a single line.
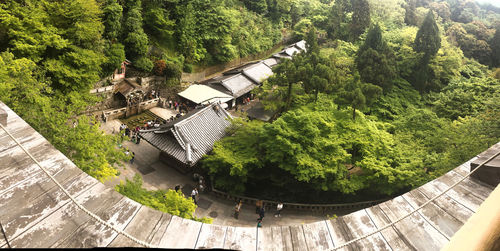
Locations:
{"points": [[119, 73], [490, 172]]}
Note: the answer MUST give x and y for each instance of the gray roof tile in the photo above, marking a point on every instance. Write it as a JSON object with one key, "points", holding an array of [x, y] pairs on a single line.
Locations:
{"points": [[201, 130]]}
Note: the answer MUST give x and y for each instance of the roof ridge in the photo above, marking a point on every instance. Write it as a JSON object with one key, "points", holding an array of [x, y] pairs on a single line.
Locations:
{"points": [[177, 131]]}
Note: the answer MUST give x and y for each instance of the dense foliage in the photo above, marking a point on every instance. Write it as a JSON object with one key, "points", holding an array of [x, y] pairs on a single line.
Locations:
{"points": [[52, 53], [422, 102], [170, 201], [389, 95]]}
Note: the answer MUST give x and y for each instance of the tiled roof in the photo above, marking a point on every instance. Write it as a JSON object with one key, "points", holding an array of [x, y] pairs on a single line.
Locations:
{"points": [[237, 84], [200, 130], [127, 86], [203, 94], [301, 45], [258, 72], [291, 50], [282, 55], [271, 62], [258, 112], [240, 68]]}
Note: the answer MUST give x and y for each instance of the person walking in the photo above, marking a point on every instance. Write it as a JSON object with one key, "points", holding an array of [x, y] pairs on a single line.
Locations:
{"points": [[133, 158], [259, 223], [137, 140], [278, 210], [258, 205], [193, 195], [261, 214], [177, 188], [237, 209]]}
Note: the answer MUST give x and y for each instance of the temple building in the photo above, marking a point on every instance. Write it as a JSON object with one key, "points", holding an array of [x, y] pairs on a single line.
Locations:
{"points": [[184, 141]]}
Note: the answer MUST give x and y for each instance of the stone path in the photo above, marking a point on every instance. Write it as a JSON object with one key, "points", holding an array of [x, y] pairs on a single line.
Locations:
{"points": [[157, 175]]}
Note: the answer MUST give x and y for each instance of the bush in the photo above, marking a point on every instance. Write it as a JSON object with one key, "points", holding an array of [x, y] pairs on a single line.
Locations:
{"points": [[166, 201], [144, 64], [159, 67], [173, 70], [188, 68]]}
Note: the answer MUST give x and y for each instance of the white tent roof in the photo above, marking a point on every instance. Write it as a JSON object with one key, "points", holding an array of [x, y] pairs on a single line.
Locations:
{"points": [[202, 94]]}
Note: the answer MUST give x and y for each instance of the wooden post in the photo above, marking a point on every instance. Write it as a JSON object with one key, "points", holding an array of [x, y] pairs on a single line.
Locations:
{"points": [[482, 230]]}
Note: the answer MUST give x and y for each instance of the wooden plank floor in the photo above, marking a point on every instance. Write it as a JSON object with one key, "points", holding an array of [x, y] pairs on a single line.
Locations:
{"points": [[36, 213]]}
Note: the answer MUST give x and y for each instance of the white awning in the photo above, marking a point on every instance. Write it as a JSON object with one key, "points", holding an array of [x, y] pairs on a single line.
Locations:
{"points": [[202, 94]]}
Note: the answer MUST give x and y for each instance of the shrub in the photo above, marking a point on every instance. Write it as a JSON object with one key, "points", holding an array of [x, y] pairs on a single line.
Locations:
{"points": [[188, 68], [159, 67], [144, 64], [170, 201]]}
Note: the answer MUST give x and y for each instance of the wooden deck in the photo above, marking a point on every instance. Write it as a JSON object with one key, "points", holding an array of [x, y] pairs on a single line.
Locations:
{"points": [[35, 213]]}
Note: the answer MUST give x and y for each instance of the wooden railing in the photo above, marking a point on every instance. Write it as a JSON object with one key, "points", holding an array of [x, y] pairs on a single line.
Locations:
{"points": [[298, 206]]}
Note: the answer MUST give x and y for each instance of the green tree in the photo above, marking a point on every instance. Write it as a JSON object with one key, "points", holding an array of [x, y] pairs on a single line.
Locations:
{"points": [[286, 76], [112, 19], [157, 22], [337, 26], [115, 54], [170, 201], [495, 46], [259, 6], [136, 41], [66, 39], [411, 12], [236, 157], [428, 40], [53, 114], [375, 60], [360, 18], [312, 41], [189, 44], [357, 95]]}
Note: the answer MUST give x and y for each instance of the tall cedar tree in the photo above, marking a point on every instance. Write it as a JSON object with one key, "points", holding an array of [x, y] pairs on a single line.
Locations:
{"points": [[136, 41], [428, 39], [411, 12], [360, 18], [375, 60], [495, 46], [112, 19], [338, 19], [428, 42]]}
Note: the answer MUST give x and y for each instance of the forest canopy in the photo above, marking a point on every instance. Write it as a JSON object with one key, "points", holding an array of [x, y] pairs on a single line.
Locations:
{"points": [[373, 108]]}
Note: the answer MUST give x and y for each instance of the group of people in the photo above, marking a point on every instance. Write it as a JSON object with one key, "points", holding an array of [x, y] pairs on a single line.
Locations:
{"points": [[153, 94], [246, 101], [132, 134], [177, 106], [259, 209], [150, 124]]}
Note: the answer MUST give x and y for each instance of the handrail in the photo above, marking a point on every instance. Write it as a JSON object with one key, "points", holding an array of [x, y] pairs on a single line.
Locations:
{"points": [[249, 200]]}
